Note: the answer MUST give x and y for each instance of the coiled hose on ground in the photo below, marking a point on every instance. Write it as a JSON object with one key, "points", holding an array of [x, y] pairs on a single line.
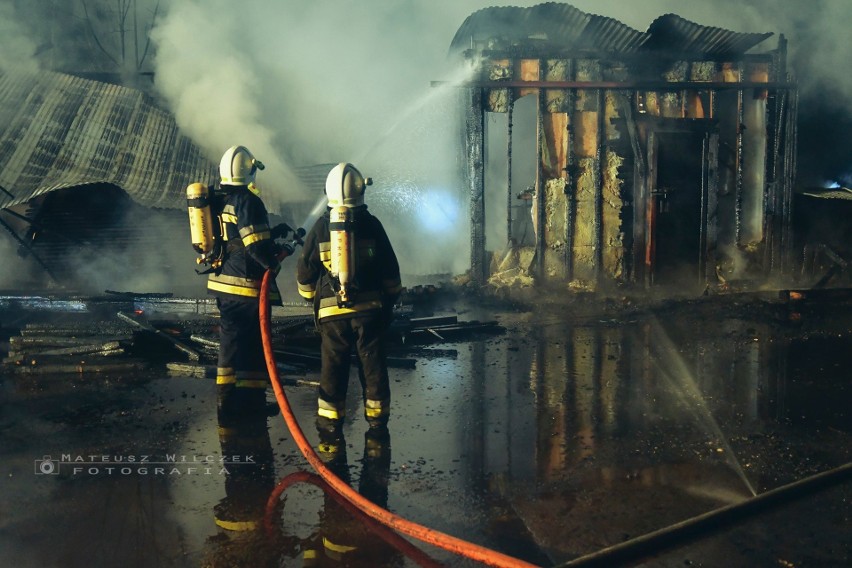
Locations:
{"points": [[420, 532]]}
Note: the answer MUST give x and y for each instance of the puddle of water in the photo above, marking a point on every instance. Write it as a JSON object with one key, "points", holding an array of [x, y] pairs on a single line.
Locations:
{"points": [[548, 442]]}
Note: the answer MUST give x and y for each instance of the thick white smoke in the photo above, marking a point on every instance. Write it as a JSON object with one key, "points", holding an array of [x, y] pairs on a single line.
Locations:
{"points": [[306, 83], [17, 48], [302, 83]]}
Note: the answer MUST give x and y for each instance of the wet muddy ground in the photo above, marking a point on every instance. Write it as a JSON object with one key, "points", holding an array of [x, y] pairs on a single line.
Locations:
{"points": [[578, 429]]}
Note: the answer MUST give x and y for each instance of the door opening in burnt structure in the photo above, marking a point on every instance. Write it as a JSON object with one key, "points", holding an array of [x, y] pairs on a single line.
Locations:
{"points": [[510, 176], [676, 223]]}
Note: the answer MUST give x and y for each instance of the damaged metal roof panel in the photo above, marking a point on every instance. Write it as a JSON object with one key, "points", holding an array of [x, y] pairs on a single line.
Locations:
{"points": [[670, 32], [564, 26], [60, 131], [555, 23]]}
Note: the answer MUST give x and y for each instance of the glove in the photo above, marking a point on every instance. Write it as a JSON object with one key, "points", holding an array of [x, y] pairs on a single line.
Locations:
{"points": [[280, 231]]}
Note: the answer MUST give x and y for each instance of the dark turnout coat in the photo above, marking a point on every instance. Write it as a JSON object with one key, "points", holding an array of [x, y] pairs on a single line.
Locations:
{"points": [[377, 278], [250, 250]]}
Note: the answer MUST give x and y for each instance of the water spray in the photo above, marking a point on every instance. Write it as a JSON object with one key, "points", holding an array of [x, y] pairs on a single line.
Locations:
{"points": [[681, 378], [314, 214]]}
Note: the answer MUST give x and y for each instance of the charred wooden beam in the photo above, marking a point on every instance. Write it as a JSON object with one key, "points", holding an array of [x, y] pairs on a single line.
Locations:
{"points": [[191, 353], [87, 329], [433, 321], [315, 361], [77, 349], [209, 372], [450, 332], [204, 342], [474, 145], [666, 86], [19, 341], [79, 368], [52, 357]]}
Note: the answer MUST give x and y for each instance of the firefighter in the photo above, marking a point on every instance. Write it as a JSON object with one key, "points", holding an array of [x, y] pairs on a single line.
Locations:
{"points": [[349, 270], [249, 250]]}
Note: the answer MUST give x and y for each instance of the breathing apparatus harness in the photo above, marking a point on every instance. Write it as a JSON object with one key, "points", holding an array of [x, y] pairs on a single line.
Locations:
{"points": [[344, 187], [205, 205]]}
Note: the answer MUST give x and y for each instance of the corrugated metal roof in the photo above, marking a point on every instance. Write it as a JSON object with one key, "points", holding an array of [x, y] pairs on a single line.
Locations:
{"points": [[563, 26], [60, 131], [556, 23], [670, 32]]}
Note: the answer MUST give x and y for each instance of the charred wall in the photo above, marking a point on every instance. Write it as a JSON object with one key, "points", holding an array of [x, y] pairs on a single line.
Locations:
{"points": [[660, 161]]}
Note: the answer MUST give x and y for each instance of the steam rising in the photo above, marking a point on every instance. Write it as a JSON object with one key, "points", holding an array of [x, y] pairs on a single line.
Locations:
{"points": [[17, 46], [304, 83]]}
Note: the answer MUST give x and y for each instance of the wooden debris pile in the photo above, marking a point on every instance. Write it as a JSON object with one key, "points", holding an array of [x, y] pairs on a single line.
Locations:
{"points": [[44, 348], [131, 341]]}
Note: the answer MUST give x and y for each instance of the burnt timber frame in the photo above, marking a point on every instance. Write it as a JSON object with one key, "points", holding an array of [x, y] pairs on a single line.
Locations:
{"points": [[777, 182]]}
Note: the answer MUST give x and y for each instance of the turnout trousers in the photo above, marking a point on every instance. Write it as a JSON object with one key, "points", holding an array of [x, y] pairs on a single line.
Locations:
{"points": [[340, 337], [241, 374]]}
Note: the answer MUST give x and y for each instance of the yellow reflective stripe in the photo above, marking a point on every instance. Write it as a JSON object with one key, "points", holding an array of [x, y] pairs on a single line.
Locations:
{"points": [[249, 229], [309, 554], [328, 413], [252, 384], [338, 311], [362, 297], [255, 238], [230, 210], [235, 281], [225, 376], [228, 218], [237, 525], [325, 256], [231, 289], [307, 291], [376, 408], [274, 296], [339, 548], [324, 246]]}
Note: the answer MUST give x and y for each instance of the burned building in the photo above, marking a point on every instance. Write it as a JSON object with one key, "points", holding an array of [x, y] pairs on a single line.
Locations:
{"points": [[92, 186], [657, 158], [92, 178]]}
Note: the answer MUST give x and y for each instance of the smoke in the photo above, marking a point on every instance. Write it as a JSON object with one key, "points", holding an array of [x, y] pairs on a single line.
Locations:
{"points": [[303, 83], [324, 82], [18, 48], [17, 271]]}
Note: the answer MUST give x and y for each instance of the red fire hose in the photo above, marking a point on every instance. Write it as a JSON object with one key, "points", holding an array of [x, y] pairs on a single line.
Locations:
{"points": [[420, 532]]}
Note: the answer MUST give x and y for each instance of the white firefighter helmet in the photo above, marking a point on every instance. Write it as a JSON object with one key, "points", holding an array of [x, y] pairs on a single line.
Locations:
{"points": [[345, 186], [238, 167]]}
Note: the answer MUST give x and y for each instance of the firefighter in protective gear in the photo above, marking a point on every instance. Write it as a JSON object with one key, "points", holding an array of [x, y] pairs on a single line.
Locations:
{"points": [[349, 270], [250, 250]]}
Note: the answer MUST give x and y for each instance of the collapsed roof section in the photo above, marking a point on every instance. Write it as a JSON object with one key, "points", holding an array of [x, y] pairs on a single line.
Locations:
{"points": [[59, 131], [555, 24]]}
